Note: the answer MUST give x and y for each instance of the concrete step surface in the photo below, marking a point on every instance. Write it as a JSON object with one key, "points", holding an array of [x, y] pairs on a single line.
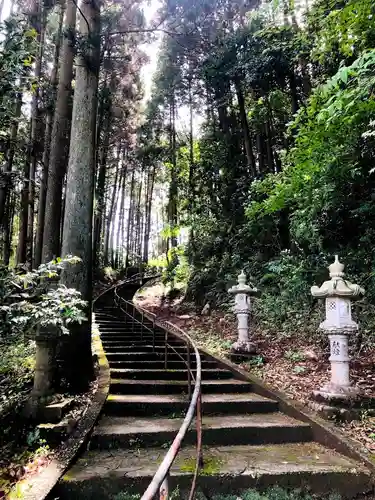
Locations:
{"points": [[170, 404], [161, 374], [227, 469], [158, 363], [247, 441], [115, 432], [129, 386]]}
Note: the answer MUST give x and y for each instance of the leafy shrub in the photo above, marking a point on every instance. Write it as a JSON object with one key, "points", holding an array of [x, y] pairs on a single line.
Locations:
{"points": [[29, 300], [110, 274], [275, 493]]}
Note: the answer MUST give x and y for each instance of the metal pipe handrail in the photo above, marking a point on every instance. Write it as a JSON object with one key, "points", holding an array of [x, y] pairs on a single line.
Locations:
{"points": [[159, 482], [128, 314]]}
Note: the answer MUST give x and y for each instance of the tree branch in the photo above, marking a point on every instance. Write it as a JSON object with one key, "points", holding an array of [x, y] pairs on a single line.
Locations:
{"points": [[83, 15]]}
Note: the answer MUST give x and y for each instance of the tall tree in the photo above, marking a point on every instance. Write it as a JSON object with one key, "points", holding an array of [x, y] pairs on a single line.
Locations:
{"points": [[78, 218], [59, 148], [47, 140]]}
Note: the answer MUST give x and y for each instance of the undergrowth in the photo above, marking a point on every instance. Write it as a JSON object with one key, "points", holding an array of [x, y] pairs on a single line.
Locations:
{"points": [[16, 368], [275, 493]]}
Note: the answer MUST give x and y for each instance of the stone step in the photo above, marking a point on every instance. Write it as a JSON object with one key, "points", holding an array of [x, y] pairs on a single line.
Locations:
{"points": [[131, 339], [227, 470], [127, 328], [270, 428], [145, 374], [158, 364], [128, 333], [113, 335], [173, 404], [127, 386], [119, 346], [119, 355]]}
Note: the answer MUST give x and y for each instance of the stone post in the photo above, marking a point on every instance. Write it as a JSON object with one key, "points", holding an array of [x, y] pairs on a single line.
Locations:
{"points": [[242, 293], [338, 325]]}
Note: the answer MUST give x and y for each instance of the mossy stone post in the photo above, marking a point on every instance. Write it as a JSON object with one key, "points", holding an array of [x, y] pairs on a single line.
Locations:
{"points": [[46, 338], [338, 325], [242, 306], [43, 388]]}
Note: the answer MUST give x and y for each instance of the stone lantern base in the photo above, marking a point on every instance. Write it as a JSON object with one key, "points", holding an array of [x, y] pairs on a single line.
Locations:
{"points": [[334, 392], [341, 403], [244, 347], [242, 351]]}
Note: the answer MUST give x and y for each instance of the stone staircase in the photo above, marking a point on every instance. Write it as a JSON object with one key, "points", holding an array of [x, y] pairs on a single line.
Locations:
{"points": [[247, 441]]}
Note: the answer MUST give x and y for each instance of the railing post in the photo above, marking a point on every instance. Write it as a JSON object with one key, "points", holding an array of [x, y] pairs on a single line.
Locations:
{"points": [[164, 489], [189, 370], [153, 333], [133, 321], [166, 351], [142, 325], [126, 312], [199, 430]]}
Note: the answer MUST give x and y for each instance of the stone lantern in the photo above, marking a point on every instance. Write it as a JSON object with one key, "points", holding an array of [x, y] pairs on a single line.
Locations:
{"points": [[242, 293], [338, 294]]}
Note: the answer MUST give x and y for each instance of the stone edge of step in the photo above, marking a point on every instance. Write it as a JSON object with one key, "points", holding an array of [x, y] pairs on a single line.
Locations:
{"points": [[113, 426]]}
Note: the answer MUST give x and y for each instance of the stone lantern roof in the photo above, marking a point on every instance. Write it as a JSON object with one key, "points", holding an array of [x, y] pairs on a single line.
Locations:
{"points": [[337, 286], [242, 287]]}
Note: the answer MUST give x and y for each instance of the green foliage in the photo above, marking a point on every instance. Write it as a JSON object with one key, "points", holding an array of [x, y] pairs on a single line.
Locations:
{"points": [[275, 493], [177, 268], [294, 356], [282, 176], [110, 274], [27, 303], [129, 496], [348, 29]]}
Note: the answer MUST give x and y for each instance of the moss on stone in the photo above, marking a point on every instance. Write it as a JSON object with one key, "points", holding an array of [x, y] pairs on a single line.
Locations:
{"points": [[211, 466]]}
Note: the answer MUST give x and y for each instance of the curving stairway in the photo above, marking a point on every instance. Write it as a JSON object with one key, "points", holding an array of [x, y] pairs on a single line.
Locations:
{"points": [[247, 441]]}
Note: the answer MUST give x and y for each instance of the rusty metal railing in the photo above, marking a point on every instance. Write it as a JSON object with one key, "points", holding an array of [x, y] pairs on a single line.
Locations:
{"points": [[160, 482]]}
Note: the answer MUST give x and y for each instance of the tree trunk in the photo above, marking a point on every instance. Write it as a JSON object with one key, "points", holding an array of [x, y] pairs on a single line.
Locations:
{"points": [[139, 219], [130, 217], [148, 206], [191, 148], [112, 226], [269, 148], [110, 214], [5, 186], [47, 141], [59, 140], [34, 148], [260, 148], [78, 219], [25, 231], [100, 186], [22, 234], [245, 128], [8, 229], [121, 221], [173, 186], [294, 93]]}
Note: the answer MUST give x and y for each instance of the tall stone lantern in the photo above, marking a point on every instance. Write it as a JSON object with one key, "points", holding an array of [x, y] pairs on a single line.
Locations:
{"points": [[338, 294], [242, 293]]}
